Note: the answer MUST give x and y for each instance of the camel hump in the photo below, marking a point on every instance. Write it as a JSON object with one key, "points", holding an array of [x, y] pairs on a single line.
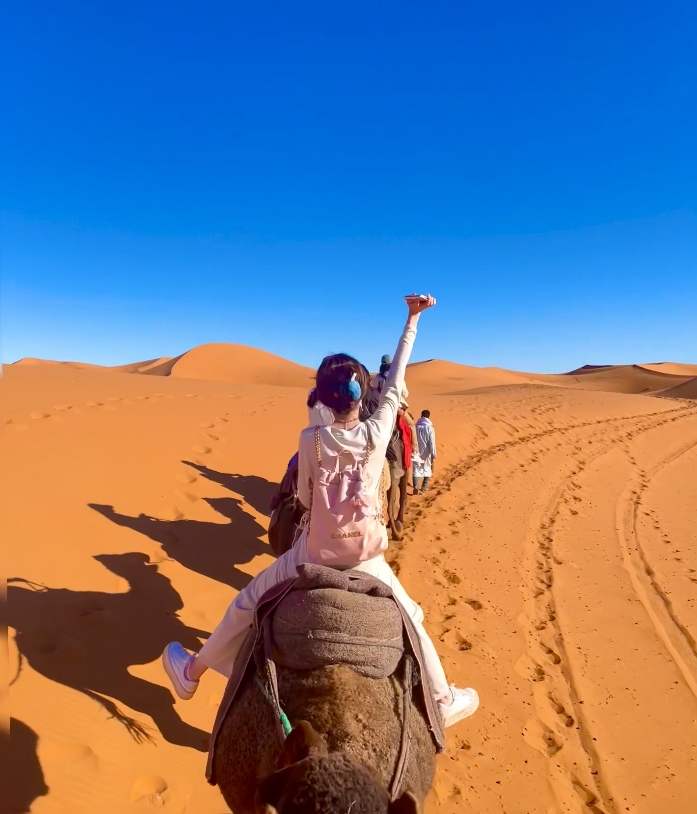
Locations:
{"points": [[316, 628]]}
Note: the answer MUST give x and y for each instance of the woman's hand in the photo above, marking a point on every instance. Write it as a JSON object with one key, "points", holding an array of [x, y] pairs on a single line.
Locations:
{"points": [[417, 305]]}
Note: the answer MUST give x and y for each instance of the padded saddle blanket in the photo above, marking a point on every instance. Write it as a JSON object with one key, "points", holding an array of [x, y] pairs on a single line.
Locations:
{"points": [[322, 617], [312, 628]]}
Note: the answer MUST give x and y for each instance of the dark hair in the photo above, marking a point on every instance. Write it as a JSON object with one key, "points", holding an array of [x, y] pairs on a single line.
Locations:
{"points": [[333, 377], [312, 398], [425, 414]]}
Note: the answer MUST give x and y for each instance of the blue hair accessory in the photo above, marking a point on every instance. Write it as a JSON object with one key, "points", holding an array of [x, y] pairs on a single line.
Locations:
{"points": [[352, 389]]}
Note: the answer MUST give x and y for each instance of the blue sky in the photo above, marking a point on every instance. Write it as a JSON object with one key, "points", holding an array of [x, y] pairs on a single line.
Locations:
{"points": [[279, 174]]}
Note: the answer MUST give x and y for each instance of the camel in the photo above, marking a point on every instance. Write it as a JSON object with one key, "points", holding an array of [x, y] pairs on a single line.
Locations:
{"points": [[348, 750], [339, 757]]}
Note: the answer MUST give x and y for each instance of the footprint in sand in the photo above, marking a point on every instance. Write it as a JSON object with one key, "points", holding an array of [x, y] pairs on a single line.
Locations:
{"points": [[567, 720], [201, 449], [149, 788], [208, 425], [174, 514], [114, 398], [95, 404], [87, 607], [183, 495], [39, 415], [453, 638], [185, 477], [210, 436], [540, 737], [62, 407], [553, 657], [529, 668]]}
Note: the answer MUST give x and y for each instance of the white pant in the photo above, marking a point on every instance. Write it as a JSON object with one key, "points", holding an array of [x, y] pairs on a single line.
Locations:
{"points": [[224, 643]]}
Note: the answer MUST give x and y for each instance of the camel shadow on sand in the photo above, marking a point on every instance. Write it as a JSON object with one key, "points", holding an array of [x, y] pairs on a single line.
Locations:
{"points": [[211, 549], [24, 782], [87, 640], [255, 490]]}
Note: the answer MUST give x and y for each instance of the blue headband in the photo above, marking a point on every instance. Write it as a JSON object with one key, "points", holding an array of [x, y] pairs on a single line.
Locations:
{"points": [[352, 389]]}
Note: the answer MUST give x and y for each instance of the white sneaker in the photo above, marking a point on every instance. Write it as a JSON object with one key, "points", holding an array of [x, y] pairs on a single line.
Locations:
{"points": [[175, 660], [465, 703]]}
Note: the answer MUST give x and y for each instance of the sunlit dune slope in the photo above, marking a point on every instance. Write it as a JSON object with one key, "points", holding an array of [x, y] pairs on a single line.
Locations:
{"points": [[240, 364], [672, 368], [614, 378], [216, 362], [448, 377]]}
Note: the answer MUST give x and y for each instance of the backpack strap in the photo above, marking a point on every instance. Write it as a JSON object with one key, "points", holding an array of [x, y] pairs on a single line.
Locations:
{"points": [[318, 448], [369, 447]]}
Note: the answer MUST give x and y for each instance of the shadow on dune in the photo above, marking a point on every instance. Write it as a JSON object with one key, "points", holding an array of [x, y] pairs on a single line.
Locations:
{"points": [[87, 640], [25, 779], [255, 490], [211, 549]]}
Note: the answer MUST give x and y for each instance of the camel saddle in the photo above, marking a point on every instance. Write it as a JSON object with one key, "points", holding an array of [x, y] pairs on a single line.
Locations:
{"points": [[326, 616]]}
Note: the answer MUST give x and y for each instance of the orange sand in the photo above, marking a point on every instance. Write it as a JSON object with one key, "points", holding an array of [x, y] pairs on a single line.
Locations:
{"points": [[555, 561]]}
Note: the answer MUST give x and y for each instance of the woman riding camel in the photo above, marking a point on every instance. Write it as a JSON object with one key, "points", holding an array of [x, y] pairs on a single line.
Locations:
{"points": [[340, 470]]}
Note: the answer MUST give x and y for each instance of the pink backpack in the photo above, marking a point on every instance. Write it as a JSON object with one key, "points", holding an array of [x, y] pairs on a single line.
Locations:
{"points": [[346, 514]]}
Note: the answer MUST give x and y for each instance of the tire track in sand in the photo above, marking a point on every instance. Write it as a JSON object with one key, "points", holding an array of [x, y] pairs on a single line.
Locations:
{"points": [[675, 636], [576, 773], [453, 473]]}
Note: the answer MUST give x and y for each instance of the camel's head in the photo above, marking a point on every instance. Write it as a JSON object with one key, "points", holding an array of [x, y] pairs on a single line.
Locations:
{"points": [[309, 780]]}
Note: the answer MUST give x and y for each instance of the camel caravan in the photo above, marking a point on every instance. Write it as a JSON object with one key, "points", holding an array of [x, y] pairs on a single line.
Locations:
{"points": [[336, 700]]}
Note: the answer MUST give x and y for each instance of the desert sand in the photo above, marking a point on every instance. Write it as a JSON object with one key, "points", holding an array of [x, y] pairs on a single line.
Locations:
{"points": [[555, 559]]}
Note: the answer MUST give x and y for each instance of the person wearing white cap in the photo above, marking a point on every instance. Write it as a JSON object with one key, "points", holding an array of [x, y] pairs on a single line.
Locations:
{"points": [[379, 382]]}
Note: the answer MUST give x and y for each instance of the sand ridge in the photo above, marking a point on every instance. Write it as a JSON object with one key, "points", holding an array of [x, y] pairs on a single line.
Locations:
{"points": [[555, 560], [615, 379], [672, 368], [241, 364]]}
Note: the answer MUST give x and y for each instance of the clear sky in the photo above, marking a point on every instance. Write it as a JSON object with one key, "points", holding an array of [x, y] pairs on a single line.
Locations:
{"points": [[279, 173]]}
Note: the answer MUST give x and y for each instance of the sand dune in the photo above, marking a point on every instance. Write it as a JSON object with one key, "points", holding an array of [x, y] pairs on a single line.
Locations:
{"points": [[686, 390], [613, 379], [34, 362], [241, 365], [153, 367], [237, 364], [439, 375], [672, 368], [555, 562]]}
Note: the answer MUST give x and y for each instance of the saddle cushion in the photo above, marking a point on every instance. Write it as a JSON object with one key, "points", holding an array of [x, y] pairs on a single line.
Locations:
{"points": [[314, 628]]}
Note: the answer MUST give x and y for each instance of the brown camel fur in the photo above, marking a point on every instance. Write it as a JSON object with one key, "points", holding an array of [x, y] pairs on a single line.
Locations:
{"points": [[340, 756]]}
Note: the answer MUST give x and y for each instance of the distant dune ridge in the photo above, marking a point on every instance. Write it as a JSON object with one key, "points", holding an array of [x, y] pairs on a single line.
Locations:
{"points": [[635, 379], [216, 361], [241, 364]]}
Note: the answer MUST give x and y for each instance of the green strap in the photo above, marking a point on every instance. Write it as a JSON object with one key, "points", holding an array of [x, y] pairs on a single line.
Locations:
{"points": [[285, 723]]}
